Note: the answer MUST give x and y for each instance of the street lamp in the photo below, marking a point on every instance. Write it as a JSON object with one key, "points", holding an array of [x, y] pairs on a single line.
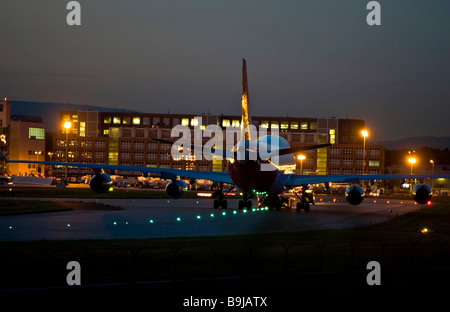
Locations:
{"points": [[67, 126], [50, 171], [301, 158], [365, 134], [37, 153], [432, 172]]}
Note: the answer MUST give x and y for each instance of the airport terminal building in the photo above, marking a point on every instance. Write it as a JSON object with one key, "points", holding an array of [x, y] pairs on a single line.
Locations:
{"points": [[127, 139]]}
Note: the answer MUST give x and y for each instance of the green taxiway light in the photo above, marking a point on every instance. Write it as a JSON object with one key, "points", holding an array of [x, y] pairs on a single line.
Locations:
{"points": [[115, 223], [244, 211], [198, 217], [178, 219], [234, 212], [151, 221], [224, 213], [212, 215]]}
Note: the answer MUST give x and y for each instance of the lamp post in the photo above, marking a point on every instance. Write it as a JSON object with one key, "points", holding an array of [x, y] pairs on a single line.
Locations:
{"points": [[301, 158], [364, 133], [67, 126], [412, 161], [50, 171], [432, 172], [37, 153]]}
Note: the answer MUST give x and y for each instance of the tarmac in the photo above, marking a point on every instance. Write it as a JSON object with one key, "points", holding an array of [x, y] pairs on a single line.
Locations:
{"points": [[158, 218]]}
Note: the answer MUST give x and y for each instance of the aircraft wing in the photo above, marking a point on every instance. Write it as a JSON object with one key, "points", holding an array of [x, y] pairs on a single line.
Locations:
{"points": [[166, 173], [296, 179]]}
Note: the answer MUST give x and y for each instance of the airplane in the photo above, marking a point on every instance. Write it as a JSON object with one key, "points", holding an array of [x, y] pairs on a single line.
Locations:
{"points": [[245, 164]]}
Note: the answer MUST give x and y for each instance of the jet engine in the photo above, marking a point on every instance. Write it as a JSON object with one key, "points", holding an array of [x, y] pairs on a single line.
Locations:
{"points": [[100, 183], [354, 194], [176, 189], [422, 193]]}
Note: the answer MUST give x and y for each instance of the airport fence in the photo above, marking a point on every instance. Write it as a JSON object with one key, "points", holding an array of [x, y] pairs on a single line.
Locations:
{"points": [[243, 262]]}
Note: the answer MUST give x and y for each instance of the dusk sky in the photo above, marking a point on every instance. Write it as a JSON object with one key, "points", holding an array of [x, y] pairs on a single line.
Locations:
{"points": [[304, 59]]}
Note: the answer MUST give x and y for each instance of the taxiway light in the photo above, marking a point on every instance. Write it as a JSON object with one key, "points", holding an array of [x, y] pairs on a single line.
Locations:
{"points": [[199, 217], [151, 221], [115, 223], [234, 212], [10, 227], [212, 215], [68, 224], [224, 213], [244, 211], [178, 219], [424, 230]]}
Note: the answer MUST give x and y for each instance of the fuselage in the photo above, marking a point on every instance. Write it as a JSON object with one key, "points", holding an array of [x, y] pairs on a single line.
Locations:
{"points": [[249, 177], [259, 175]]}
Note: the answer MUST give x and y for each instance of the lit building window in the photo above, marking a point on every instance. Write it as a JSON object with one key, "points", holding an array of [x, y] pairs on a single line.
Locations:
{"points": [[185, 121], [274, 124], [136, 120], [194, 122], [264, 124], [82, 129], [332, 136], [313, 125], [284, 125], [226, 123], [294, 125], [126, 120], [107, 119], [105, 131], [235, 123], [36, 133], [304, 125], [116, 120]]}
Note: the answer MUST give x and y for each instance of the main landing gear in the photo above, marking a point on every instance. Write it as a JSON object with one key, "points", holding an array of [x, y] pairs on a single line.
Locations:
{"points": [[220, 201], [245, 203], [305, 200]]}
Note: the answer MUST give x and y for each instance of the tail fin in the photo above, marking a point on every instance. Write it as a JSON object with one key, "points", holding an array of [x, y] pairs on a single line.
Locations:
{"points": [[245, 120]]}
